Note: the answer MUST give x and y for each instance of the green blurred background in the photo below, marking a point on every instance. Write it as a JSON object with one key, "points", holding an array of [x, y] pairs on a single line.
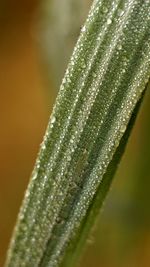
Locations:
{"points": [[36, 40]]}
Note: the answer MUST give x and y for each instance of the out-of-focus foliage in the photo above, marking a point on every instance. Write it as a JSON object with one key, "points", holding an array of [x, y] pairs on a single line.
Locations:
{"points": [[57, 31]]}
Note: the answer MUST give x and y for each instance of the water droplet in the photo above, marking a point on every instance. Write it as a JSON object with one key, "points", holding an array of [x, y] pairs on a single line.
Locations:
{"points": [[122, 128], [109, 21], [83, 29], [68, 80], [94, 75], [98, 38], [69, 158], [117, 143], [119, 47], [83, 65], [105, 9], [64, 80], [53, 119], [120, 12]]}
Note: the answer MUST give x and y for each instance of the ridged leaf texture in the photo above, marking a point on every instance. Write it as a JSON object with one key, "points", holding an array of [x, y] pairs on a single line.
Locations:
{"points": [[104, 81]]}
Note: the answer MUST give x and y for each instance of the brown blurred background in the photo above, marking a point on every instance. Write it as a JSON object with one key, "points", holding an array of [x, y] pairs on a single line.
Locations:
{"points": [[28, 90], [24, 109]]}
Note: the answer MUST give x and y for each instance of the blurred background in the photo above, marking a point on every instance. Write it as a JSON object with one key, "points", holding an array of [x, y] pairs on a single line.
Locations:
{"points": [[36, 41]]}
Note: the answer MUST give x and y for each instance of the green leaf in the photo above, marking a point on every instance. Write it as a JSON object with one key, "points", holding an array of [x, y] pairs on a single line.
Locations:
{"points": [[104, 81], [77, 246]]}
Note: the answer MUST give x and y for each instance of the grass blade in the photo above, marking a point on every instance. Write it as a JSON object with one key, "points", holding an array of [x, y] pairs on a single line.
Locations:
{"points": [[103, 83], [76, 247]]}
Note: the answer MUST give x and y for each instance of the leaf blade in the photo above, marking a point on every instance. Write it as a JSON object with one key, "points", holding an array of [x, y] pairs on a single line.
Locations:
{"points": [[76, 247], [102, 85]]}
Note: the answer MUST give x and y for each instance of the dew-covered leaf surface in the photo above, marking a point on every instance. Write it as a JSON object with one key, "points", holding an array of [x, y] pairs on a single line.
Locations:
{"points": [[106, 76]]}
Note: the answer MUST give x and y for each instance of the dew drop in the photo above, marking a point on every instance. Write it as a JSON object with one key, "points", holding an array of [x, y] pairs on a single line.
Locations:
{"points": [[64, 81], [94, 75], [69, 158], [53, 119], [68, 80], [83, 29], [83, 65], [119, 47], [117, 143], [120, 12], [109, 21], [105, 9], [123, 128]]}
